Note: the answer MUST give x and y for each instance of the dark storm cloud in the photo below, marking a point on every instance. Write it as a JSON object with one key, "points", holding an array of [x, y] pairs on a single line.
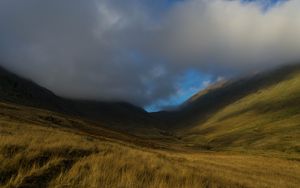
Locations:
{"points": [[83, 49], [135, 50]]}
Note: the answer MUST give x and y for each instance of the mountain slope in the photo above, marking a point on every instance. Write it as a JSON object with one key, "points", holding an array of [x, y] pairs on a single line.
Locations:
{"points": [[263, 113], [255, 112], [201, 106], [115, 115], [48, 141], [22, 91]]}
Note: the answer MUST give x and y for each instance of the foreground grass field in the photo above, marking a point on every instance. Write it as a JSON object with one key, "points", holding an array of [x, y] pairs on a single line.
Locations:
{"points": [[42, 149]]}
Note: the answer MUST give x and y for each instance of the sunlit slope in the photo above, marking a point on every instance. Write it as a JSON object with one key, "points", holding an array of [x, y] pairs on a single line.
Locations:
{"points": [[39, 148], [267, 119]]}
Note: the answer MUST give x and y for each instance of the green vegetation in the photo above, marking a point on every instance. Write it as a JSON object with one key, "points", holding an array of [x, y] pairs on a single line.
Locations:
{"points": [[268, 119], [238, 134]]}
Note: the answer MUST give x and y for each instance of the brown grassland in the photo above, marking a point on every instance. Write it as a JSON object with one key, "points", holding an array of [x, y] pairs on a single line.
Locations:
{"points": [[43, 149]]}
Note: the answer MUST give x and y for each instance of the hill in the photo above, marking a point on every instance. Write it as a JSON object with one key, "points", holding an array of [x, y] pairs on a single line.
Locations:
{"points": [[115, 115], [260, 112], [240, 133], [40, 148]]}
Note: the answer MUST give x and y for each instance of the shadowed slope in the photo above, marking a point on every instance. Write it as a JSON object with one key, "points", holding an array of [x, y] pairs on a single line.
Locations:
{"points": [[117, 115]]}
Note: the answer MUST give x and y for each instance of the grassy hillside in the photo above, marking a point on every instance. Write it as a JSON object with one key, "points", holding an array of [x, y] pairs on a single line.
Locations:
{"points": [[204, 104], [267, 118], [242, 133], [39, 148]]}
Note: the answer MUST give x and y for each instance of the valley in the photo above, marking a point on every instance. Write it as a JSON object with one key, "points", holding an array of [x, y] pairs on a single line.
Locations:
{"points": [[251, 139]]}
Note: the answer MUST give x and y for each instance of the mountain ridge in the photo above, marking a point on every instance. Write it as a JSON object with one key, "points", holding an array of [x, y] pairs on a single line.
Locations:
{"points": [[209, 101], [252, 141], [16, 89], [201, 106]]}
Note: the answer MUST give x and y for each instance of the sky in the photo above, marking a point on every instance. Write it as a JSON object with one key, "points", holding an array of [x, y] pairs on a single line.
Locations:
{"points": [[152, 53]]}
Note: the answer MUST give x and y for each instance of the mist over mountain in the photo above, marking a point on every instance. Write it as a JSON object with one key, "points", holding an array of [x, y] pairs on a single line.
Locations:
{"points": [[150, 93], [137, 50], [17, 90]]}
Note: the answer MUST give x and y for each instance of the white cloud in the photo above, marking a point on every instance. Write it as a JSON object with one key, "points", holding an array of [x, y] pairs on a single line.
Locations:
{"points": [[218, 34]]}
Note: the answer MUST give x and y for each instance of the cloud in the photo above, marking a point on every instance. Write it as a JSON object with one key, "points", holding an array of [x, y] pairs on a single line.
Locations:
{"points": [[136, 50], [230, 35], [83, 49]]}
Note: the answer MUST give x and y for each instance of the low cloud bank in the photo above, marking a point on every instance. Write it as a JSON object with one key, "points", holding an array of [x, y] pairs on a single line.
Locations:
{"points": [[136, 50]]}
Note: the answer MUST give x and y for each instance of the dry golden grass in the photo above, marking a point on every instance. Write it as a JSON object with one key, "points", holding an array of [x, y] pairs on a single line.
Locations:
{"points": [[267, 120], [35, 154]]}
